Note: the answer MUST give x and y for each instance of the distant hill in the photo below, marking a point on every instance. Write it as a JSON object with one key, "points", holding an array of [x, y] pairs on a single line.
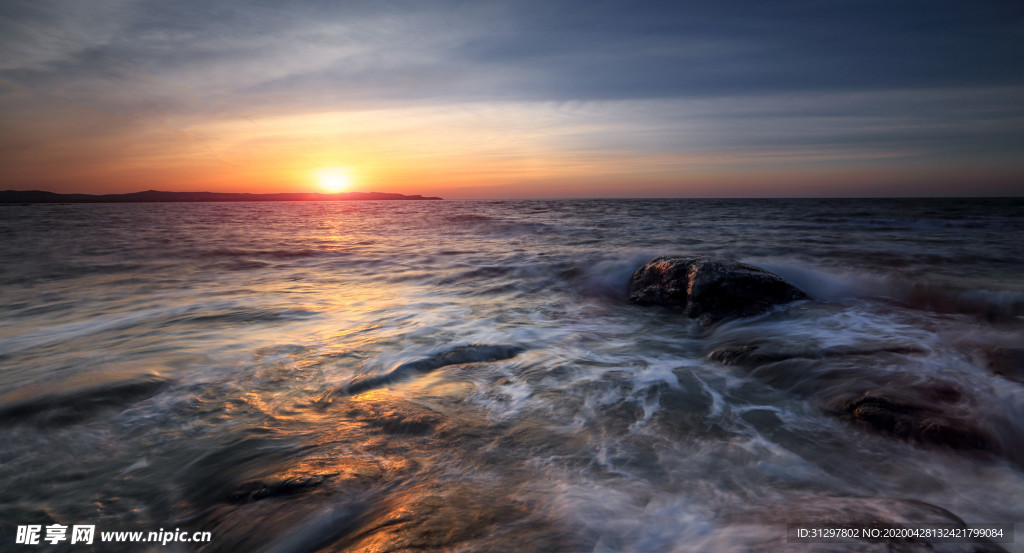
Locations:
{"points": [[43, 197]]}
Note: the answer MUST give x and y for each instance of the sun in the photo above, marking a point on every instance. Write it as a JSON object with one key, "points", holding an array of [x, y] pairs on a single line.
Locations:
{"points": [[334, 179]]}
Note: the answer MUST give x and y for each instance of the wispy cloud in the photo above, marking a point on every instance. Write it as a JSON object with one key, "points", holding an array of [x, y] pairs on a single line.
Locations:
{"points": [[526, 88]]}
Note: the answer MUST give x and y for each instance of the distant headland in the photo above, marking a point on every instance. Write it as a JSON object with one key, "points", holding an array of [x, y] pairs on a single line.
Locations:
{"points": [[43, 197]]}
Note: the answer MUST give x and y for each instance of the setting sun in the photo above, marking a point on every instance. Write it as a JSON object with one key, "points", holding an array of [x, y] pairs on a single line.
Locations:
{"points": [[334, 180]]}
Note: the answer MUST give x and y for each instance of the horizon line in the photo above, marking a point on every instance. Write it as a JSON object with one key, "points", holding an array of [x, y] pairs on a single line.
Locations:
{"points": [[336, 196]]}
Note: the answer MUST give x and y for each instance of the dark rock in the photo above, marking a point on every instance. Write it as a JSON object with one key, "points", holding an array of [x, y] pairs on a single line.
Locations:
{"points": [[928, 417], [749, 356], [1007, 363], [754, 355], [459, 355], [255, 490], [710, 290], [75, 400]]}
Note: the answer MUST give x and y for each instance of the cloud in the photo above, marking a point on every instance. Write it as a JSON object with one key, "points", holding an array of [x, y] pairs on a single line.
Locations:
{"points": [[36, 32], [527, 86], [324, 53]]}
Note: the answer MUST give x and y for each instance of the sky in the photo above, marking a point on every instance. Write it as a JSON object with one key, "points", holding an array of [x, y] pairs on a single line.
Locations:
{"points": [[515, 99]]}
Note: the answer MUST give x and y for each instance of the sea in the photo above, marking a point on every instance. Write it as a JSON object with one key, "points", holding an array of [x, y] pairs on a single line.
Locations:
{"points": [[469, 376]]}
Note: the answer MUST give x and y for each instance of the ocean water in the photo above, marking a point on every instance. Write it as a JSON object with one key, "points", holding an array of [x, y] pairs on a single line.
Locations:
{"points": [[470, 375]]}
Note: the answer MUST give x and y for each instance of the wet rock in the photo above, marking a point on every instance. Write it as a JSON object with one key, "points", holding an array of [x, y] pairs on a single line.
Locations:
{"points": [[1007, 363], [920, 415], [255, 490], [456, 518], [74, 401], [459, 355], [220, 472], [754, 355], [710, 290], [749, 356], [292, 523], [395, 416]]}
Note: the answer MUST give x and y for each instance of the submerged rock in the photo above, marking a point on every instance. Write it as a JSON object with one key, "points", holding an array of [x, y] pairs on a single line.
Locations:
{"points": [[77, 399], [255, 490], [1007, 363], [926, 416], [901, 405], [459, 355], [710, 290], [756, 355]]}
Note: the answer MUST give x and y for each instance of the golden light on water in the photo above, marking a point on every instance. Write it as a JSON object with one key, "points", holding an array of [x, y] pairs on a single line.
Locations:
{"points": [[334, 179]]}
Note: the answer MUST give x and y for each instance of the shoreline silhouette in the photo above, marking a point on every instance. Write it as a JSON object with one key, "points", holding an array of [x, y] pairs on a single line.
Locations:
{"points": [[41, 196]]}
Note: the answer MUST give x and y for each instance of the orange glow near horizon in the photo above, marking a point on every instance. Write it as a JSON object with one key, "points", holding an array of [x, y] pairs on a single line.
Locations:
{"points": [[491, 150]]}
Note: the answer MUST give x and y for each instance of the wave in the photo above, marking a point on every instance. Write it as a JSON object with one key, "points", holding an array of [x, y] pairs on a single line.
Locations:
{"points": [[212, 313], [250, 253], [923, 294], [486, 225], [609, 277]]}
